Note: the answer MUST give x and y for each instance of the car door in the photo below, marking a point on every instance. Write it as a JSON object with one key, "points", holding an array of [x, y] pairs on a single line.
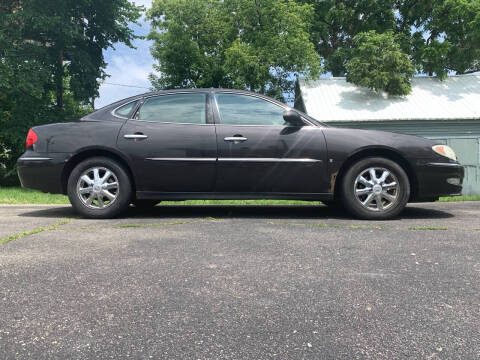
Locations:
{"points": [[258, 152], [171, 143]]}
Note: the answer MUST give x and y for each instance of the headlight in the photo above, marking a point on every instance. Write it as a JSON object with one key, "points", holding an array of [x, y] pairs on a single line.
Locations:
{"points": [[446, 151]]}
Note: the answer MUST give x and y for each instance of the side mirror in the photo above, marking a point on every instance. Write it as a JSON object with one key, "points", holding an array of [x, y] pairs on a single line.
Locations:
{"points": [[293, 118]]}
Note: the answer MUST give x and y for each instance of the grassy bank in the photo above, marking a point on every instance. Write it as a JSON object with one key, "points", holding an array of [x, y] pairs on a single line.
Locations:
{"points": [[18, 196], [460, 198]]}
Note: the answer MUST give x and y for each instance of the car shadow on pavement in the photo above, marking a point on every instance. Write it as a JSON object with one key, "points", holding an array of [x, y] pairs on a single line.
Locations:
{"points": [[241, 211]]}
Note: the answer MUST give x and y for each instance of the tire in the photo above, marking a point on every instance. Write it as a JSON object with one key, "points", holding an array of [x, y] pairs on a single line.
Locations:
{"points": [[145, 204], [372, 198], [84, 185]]}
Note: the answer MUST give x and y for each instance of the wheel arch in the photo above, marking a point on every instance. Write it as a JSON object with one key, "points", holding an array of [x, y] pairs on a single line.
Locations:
{"points": [[94, 152], [387, 153]]}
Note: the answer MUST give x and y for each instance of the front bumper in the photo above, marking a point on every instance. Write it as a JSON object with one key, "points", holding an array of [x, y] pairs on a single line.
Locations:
{"points": [[436, 179], [42, 172]]}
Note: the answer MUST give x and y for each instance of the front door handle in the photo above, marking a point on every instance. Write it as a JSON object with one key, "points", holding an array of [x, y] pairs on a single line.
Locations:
{"points": [[136, 136], [236, 139]]}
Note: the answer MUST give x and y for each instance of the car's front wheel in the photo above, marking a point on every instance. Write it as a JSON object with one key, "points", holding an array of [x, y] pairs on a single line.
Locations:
{"points": [[99, 188], [375, 188]]}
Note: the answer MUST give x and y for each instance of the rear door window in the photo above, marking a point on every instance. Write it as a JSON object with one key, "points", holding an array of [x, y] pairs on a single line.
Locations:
{"points": [[174, 108]]}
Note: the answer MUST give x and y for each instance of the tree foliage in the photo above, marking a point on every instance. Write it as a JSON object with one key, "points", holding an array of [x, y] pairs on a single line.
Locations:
{"points": [[245, 44], [379, 64], [259, 44], [439, 37], [336, 22], [50, 62]]}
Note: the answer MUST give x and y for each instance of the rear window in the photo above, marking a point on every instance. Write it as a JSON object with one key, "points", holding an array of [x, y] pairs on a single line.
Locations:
{"points": [[126, 110], [175, 108]]}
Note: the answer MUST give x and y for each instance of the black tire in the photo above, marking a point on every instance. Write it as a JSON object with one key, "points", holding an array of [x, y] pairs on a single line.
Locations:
{"points": [[358, 205], [123, 192], [145, 204]]}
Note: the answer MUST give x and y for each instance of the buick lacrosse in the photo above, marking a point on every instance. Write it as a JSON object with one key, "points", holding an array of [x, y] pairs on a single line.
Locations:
{"points": [[230, 144]]}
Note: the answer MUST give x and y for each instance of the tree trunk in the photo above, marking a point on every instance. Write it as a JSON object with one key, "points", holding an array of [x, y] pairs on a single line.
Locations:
{"points": [[60, 81]]}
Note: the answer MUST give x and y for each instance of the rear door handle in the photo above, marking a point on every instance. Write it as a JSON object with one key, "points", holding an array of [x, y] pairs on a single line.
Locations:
{"points": [[236, 139], [135, 136]]}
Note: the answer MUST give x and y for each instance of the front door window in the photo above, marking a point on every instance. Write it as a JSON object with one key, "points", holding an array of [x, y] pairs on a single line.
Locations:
{"points": [[248, 110]]}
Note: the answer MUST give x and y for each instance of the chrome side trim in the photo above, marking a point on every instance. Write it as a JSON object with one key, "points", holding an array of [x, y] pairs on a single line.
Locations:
{"points": [[270, 160], [269, 126], [273, 160], [183, 159], [34, 159], [445, 165], [170, 122]]}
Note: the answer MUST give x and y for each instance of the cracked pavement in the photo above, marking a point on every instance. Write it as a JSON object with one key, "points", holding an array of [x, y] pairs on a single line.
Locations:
{"points": [[226, 282]]}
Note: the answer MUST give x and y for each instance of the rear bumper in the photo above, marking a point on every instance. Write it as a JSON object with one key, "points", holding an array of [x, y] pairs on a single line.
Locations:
{"points": [[439, 179], [42, 173]]}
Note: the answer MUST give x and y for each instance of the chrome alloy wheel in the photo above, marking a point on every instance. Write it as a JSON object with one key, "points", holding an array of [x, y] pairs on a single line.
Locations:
{"points": [[98, 188], [376, 189]]}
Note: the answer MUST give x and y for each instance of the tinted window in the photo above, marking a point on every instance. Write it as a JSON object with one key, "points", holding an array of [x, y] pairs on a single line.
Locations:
{"points": [[248, 110], [177, 108], [125, 110]]}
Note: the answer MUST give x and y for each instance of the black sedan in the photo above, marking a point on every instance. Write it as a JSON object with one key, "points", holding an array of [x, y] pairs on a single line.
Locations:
{"points": [[230, 144]]}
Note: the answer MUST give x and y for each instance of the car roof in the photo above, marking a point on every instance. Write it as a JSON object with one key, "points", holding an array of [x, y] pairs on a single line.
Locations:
{"points": [[186, 90], [197, 90]]}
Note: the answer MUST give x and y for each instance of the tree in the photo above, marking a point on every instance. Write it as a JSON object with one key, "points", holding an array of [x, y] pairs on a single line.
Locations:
{"points": [[379, 64], [438, 36], [51, 58], [450, 37], [247, 44], [336, 22], [73, 34]]}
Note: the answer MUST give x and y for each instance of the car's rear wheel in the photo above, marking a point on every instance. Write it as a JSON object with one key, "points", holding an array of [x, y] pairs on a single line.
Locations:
{"points": [[375, 188], [99, 188]]}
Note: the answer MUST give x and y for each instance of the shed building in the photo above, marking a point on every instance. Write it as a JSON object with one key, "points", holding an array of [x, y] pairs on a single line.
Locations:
{"points": [[447, 111]]}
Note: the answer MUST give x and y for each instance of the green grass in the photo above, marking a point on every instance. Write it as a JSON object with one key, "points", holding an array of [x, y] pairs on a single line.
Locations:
{"points": [[19, 196], [460, 198], [126, 226], [34, 231], [424, 228], [16, 196]]}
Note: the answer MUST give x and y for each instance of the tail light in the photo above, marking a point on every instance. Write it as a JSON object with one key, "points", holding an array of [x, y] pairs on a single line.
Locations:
{"points": [[31, 138]]}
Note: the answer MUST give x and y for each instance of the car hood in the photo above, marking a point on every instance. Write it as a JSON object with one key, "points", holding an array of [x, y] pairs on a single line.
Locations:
{"points": [[349, 141]]}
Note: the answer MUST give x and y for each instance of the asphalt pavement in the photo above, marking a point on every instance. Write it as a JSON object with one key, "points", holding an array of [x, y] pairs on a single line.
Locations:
{"points": [[250, 282]]}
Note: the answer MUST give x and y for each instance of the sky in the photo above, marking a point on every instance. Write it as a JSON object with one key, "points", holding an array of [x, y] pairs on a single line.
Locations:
{"points": [[127, 67]]}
